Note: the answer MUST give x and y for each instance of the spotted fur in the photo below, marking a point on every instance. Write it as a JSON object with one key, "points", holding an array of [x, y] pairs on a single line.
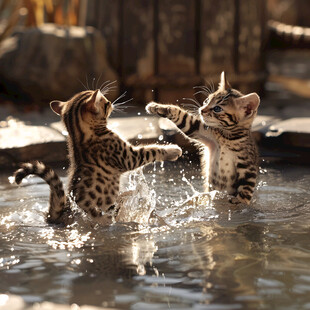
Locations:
{"points": [[98, 157], [224, 120]]}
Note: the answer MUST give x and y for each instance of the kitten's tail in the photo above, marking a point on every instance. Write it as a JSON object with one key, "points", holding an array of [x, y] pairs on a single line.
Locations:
{"points": [[57, 194]]}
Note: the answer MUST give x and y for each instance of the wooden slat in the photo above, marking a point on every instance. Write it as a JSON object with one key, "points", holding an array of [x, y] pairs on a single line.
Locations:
{"points": [[250, 36], [176, 37], [138, 47], [217, 37]]}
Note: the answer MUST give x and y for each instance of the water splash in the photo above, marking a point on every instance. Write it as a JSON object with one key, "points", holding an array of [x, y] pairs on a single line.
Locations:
{"points": [[137, 201]]}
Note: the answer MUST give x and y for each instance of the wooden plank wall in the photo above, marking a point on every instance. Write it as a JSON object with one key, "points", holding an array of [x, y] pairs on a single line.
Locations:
{"points": [[162, 48]]}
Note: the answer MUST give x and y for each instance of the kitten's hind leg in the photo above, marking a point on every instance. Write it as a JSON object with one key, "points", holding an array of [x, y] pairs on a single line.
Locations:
{"points": [[246, 184]]}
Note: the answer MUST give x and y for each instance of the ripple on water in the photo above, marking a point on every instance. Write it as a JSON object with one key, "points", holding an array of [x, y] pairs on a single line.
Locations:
{"points": [[200, 252]]}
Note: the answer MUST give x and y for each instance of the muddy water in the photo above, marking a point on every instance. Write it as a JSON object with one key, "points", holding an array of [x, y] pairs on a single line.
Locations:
{"points": [[201, 254]]}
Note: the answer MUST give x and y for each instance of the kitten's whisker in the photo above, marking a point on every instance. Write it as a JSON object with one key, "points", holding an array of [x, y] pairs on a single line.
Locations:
{"points": [[208, 87], [82, 84], [107, 86], [107, 90], [202, 87], [119, 97], [86, 77], [93, 83], [104, 84], [202, 92], [98, 80], [119, 111], [194, 101], [121, 103], [189, 105], [212, 86]]}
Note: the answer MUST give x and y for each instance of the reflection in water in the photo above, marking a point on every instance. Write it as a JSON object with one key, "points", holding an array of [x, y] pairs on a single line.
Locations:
{"points": [[200, 254]]}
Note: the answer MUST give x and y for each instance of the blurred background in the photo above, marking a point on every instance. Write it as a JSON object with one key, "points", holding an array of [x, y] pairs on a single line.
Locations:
{"points": [[154, 49]]}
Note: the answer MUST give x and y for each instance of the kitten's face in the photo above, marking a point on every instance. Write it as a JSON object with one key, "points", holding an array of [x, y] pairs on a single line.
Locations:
{"points": [[90, 105], [227, 108]]}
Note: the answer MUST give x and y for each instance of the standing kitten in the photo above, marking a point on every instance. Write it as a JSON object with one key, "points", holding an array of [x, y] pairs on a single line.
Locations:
{"points": [[225, 118], [98, 157]]}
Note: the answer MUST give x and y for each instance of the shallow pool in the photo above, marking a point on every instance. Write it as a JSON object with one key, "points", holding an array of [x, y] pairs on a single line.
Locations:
{"points": [[200, 254]]}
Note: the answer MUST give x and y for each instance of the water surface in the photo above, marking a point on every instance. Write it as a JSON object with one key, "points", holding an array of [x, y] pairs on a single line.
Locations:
{"points": [[201, 255]]}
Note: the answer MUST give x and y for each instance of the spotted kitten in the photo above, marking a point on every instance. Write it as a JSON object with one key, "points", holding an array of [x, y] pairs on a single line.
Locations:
{"points": [[98, 157], [225, 118]]}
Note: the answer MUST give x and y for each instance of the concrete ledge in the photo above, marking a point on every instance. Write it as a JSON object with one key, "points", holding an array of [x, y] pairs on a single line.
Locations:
{"points": [[20, 142]]}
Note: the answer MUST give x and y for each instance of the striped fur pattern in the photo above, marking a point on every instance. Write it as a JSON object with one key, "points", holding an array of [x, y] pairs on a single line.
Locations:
{"points": [[57, 195], [224, 120], [98, 157]]}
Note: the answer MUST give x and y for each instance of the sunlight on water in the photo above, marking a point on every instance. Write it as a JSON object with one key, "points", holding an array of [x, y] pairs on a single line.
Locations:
{"points": [[74, 239], [197, 251]]}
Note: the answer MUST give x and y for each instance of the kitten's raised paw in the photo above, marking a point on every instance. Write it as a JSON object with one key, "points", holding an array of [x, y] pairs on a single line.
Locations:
{"points": [[173, 152], [156, 108]]}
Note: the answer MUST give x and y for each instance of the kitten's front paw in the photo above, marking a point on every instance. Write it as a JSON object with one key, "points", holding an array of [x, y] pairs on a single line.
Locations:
{"points": [[156, 108], [239, 200], [172, 152]]}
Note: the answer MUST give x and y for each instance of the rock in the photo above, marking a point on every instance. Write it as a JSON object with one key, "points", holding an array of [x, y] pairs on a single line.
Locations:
{"points": [[53, 62]]}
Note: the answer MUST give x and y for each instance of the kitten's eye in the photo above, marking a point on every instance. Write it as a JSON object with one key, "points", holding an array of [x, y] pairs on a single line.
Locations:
{"points": [[217, 109]]}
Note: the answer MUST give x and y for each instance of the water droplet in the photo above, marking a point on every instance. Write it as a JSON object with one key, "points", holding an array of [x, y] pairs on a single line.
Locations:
{"points": [[139, 113], [140, 136], [76, 261], [161, 137]]}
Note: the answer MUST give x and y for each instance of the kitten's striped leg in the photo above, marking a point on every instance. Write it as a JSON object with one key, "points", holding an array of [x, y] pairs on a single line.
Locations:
{"points": [[189, 124], [245, 186], [139, 156]]}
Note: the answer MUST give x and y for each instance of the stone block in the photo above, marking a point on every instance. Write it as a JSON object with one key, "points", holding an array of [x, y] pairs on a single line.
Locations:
{"points": [[53, 62], [293, 132]]}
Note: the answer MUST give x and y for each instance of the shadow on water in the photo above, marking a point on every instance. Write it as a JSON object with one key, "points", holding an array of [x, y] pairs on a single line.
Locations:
{"points": [[201, 254]]}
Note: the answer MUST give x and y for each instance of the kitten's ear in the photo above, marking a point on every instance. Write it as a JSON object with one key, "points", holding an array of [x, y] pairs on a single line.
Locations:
{"points": [[93, 103], [247, 104], [57, 106], [224, 84]]}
